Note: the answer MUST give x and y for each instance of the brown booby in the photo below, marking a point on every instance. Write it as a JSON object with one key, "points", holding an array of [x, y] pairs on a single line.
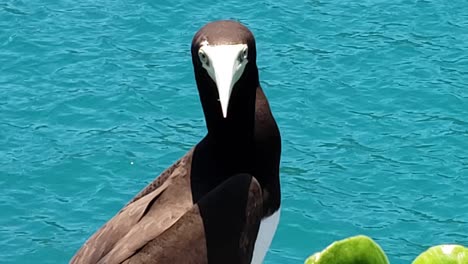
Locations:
{"points": [[220, 202]]}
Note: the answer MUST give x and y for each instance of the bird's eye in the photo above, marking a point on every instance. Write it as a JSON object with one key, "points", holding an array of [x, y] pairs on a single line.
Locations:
{"points": [[243, 55], [203, 57]]}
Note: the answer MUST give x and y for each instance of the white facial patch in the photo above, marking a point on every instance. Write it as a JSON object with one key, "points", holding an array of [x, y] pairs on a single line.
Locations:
{"points": [[225, 65]]}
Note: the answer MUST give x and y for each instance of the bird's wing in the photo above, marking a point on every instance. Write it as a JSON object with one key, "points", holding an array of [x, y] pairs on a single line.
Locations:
{"points": [[150, 213]]}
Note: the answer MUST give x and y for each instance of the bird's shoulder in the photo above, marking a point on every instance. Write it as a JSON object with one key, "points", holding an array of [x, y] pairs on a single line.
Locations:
{"points": [[156, 208], [181, 168]]}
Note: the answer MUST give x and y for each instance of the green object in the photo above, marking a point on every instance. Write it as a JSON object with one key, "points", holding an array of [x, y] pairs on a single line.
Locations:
{"points": [[443, 254], [353, 250]]}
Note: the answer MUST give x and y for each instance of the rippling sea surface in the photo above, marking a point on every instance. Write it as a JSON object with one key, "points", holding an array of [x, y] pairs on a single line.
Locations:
{"points": [[98, 97]]}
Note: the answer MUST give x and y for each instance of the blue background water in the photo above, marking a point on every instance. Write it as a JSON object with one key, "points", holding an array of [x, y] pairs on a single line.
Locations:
{"points": [[98, 97]]}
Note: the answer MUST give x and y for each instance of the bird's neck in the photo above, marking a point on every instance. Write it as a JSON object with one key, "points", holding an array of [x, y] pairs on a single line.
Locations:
{"points": [[237, 129]]}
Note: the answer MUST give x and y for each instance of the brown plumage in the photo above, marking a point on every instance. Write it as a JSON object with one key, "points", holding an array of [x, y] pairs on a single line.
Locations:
{"points": [[150, 213]]}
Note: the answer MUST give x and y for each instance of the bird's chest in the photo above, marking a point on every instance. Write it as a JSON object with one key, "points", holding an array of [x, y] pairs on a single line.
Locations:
{"points": [[212, 165]]}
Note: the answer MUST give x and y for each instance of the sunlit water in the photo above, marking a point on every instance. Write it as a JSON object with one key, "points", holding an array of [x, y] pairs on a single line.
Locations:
{"points": [[98, 97]]}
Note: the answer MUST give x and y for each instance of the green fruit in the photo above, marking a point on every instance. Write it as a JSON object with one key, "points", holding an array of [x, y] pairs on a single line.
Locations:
{"points": [[443, 254], [352, 250]]}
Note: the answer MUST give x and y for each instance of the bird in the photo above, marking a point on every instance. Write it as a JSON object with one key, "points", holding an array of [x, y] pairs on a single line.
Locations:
{"points": [[221, 201]]}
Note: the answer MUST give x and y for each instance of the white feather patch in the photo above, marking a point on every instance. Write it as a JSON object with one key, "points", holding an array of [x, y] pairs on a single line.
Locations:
{"points": [[265, 237]]}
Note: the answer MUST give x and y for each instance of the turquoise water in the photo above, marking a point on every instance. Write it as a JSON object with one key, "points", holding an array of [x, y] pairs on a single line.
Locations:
{"points": [[98, 97]]}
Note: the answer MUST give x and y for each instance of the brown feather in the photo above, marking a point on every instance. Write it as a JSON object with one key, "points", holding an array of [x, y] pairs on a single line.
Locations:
{"points": [[143, 219]]}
